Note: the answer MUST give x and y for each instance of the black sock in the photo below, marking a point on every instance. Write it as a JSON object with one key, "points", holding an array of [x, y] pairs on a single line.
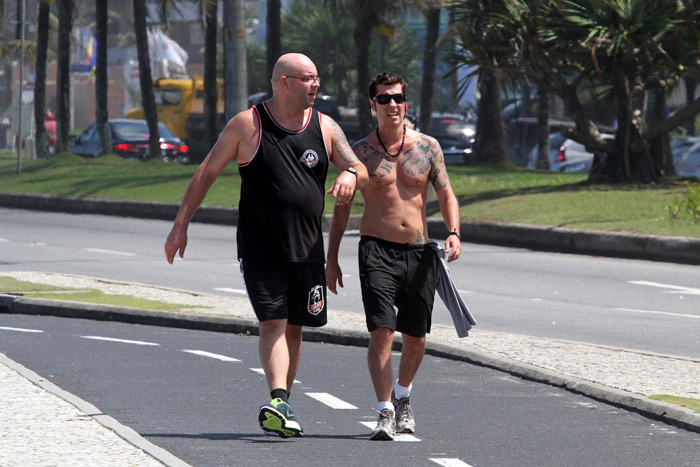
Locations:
{"points": [[279, 393]]}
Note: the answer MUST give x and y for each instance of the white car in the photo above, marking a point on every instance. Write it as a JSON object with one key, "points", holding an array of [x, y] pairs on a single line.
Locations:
{"points": [[689, 165], [680, 146], [569, 156]]}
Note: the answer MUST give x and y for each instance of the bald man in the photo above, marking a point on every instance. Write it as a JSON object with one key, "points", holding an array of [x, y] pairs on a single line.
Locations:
{"points": [[283, 148]]}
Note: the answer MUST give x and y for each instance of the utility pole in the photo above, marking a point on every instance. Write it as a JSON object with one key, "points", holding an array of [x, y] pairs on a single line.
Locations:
{"points": [[235, 62], [21, 86]]}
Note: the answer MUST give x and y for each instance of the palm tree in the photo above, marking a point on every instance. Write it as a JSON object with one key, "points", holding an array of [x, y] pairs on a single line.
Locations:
{"points": [[484, 47], [145, 78], [42, 38], [101, 110], [63, 117], [211, 121], [273, 37], [432, 21]]}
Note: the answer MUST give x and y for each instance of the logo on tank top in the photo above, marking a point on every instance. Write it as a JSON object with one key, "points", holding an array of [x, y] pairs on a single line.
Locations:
{"points": [[316, 301], [309, 158]]}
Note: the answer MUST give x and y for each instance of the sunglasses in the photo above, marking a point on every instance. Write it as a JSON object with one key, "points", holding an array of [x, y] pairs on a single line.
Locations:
{"points": [[384, 99]]}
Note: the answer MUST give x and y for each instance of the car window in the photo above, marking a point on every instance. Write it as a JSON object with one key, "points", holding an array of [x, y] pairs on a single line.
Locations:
{"points": [[165, 132], [125, 130], [87, 135]]}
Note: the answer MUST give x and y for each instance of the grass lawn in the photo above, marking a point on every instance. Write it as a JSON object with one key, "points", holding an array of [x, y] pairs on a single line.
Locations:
{"points": [[486, 193]]}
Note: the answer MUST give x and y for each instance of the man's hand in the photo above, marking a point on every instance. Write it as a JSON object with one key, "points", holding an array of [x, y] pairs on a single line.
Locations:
{"points": [[333, 274], [343, 188], [453, 247], [177, 241]]}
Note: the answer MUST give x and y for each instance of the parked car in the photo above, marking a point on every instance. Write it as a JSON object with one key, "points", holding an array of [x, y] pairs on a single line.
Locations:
{"points": [[689, 165], [129, 139], [556, 140], [680, 146], [455, 133], [570, 156]]}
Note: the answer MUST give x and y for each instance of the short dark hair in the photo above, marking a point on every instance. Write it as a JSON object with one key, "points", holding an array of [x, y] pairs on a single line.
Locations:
{"points": [[385, 78]]}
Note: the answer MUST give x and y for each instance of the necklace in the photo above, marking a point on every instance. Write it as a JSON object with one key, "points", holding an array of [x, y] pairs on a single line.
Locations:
{"points": [[386, 151]]}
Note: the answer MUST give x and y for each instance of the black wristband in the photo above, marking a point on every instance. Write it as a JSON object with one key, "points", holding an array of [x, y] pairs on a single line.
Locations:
{"points": [[352, 170], [455, 233]]}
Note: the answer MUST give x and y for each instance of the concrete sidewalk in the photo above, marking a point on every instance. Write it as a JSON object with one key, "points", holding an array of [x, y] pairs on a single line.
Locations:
{"points": [[37, 412]]}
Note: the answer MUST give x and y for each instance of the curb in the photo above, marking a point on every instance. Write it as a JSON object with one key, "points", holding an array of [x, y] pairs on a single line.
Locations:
{"points": [[683, 250], [657, 410]]}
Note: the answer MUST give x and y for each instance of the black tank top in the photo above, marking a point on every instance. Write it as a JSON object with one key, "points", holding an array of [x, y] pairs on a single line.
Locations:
{"points": [[283, 194]]}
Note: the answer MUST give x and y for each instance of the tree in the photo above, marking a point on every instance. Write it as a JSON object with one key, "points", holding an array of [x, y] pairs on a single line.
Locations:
{"points": [[63, 117], [273, 38], [42, 38], [484, 47], [432, 21], [145, 79], [619, 47], [101, 87], [211, 110]]}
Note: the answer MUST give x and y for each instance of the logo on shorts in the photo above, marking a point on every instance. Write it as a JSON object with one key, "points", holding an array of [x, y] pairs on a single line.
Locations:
{"points": [[309, 158], [316, 301]]}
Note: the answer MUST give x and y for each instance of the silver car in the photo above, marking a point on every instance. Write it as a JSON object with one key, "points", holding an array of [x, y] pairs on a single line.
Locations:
{"points": [[689, 165]]}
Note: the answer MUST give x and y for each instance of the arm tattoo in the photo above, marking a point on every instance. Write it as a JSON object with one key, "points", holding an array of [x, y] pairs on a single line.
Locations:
{"points": [[341, 147], [438, 176]]}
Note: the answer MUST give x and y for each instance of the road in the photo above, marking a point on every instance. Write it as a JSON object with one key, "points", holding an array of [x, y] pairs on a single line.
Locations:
{"points": [[195, 394], [644, 305]]}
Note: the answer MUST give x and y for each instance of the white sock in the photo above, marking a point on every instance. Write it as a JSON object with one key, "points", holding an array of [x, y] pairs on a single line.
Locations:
{"points": [[385, 405], [401, 392]]}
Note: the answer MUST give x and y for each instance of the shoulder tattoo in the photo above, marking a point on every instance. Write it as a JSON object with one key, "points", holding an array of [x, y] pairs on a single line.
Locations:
{"points": [[375, 161]]}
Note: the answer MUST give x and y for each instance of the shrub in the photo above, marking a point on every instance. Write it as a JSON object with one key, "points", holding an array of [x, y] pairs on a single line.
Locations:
{"points": [[686, 205]]}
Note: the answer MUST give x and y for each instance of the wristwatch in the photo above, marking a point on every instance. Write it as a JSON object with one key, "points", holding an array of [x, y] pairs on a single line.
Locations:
{"points": [[352, 171]]}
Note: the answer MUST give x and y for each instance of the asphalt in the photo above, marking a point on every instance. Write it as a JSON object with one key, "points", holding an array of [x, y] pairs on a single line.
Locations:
{"points": [[621, 377]]}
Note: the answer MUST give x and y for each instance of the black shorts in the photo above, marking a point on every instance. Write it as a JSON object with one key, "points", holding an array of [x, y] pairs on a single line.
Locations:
{"points": [[295, 292], [398, 285]]}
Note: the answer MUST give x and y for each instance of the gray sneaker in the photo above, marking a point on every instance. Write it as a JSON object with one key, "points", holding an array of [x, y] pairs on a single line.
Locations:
{"points": [[405, 422], [386, 426]]}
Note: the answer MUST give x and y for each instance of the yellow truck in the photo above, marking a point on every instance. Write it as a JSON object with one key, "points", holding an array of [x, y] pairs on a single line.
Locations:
{"points": [[180, 106]]}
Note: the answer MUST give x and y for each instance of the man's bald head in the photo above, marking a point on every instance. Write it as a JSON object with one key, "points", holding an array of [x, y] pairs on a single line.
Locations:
{"points": [[292, 64]]}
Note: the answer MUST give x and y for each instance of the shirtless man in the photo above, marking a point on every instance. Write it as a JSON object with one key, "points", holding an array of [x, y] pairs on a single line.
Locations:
{"points": [[282, 148], [396, 266]]}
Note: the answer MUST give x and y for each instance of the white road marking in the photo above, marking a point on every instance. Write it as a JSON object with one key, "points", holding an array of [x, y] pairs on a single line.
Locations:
{"points": [[4, 240], [260, 371], [405, 437], [230, 290], [122, 341], [674, 288], [19, 329], [109, 252], [331, 401], [449, 462], [202, 353], [666, 313]]}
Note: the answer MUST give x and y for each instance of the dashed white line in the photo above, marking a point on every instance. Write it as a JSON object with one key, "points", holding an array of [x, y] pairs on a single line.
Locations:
{"points": [[674, 288], [110, 252], [121, 341], [666, 313], [405, 437], [19, 329], [260, 371], [449, 462], [331, 401], [230, 290], [202, 353]]}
